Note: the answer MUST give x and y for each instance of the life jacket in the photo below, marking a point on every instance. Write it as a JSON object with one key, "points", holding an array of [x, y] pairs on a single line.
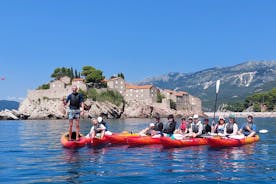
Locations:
{"points": [[96, 128], [183, 125], [229, 128], [158, 126], [170, 127], [219, 128], [75, 100], [195, 128]]}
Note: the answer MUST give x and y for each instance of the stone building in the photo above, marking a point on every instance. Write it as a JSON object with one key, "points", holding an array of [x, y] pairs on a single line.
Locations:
{"points": [[80, 83], [117, 83], [146, 94]]}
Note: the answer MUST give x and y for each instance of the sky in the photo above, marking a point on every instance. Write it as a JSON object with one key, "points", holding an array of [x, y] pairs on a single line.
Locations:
{"points": [[141, 38]]}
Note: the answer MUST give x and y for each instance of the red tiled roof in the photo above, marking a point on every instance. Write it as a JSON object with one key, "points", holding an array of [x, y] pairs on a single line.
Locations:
{"points": [[78, 79], [139, 87]]}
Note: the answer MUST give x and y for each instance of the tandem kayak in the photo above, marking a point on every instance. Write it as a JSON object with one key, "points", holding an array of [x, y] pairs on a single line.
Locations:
{"points": [[73, 143], [168, 142], [119, 138], [231, 142], [142, 141], [111, 138]]}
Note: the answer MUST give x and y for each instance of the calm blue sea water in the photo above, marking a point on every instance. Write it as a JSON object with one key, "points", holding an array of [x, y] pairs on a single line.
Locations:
{"points": [[30, 152]]}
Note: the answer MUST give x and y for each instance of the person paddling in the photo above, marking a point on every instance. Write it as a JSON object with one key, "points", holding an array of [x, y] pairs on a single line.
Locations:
{"points": [[219, 127], [196, 127], [158, 125], [231, 127], [170, 126], [206, 126], [97, 129], [149, 131], [249, 129], [76, 108]]}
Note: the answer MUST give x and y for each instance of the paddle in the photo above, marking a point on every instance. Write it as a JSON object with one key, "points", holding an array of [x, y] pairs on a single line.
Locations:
{"points": [[263, 131], [217, 91]]}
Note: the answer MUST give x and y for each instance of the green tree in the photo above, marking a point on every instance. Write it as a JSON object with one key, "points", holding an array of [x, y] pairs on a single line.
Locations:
{"points": [[91, 74], [44, 86], [121, 75], [61, 72], [160, 97], [172, 104]]}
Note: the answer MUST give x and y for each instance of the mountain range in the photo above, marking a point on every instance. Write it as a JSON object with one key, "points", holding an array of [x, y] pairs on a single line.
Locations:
{"points": [[237, 82], [7, 104]]}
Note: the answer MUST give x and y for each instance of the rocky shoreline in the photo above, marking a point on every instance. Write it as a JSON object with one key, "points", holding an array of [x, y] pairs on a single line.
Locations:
{"points": [[134, 111], [243, 114]]}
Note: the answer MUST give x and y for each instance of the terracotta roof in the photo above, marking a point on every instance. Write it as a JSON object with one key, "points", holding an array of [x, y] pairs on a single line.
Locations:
{"points": [[139, 87], [78, 79]]}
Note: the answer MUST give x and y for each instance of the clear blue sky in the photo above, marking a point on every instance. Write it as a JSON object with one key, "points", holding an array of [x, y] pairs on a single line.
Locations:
{"points": [[140, 38]]}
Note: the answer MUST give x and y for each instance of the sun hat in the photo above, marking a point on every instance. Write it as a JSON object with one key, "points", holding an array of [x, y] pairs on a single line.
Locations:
{"points": [[195, 116], [151, 124], [232, 116], [100, 119]]}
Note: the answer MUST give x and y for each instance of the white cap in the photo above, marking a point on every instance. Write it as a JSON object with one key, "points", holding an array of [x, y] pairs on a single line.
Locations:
{"points": [[195, 116], [152, 124], [221, 117], [100, 119]]}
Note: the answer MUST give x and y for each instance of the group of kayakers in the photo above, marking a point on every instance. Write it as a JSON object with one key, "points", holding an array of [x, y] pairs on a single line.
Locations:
{"points": [[193, 127]]}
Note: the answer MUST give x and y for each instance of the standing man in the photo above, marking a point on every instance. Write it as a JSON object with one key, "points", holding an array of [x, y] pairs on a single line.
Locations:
{"points": [[76, 108]]}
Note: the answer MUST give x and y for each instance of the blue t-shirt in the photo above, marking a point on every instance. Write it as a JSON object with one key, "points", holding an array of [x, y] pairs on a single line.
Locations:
{"points": [[245, 131]]}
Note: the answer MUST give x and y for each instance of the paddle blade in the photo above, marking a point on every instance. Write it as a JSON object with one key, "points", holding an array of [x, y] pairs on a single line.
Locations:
{"points": [[217, 86], [263, 131]]}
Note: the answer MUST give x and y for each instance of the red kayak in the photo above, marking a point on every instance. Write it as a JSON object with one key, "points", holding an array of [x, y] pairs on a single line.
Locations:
{"points": [[230, 142], [119, 138], [73, 143], [97, 142], [168, 142], [142, 141]]}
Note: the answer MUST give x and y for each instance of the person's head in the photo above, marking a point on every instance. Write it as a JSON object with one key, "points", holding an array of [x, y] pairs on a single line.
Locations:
{"points": [[157, 117], [183, 119], [206, 120], [100, 119], [170, 117], [250, 118], [231, 118], [94, 121], [74, 88], [195, 117], [151, 125], [221, 120], [190, 119]]}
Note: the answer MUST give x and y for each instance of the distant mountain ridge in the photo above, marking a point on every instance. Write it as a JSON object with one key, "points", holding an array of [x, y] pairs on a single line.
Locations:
{"points": [[237, 81], [6, 104]]}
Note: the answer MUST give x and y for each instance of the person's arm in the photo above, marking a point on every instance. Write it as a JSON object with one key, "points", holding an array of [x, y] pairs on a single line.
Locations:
{"points": [[235, 129], [67, 100], [82, 104], [200, 128], [253, 131]]}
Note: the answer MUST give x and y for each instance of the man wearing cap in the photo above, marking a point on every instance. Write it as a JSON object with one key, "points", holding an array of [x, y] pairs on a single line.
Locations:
{"points": [[249, 128], [149, 131], [196, 127], [170, 126], [97, 129]]}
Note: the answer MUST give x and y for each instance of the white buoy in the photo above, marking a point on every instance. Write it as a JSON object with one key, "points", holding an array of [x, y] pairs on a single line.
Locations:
{"points": [[263, 131]]}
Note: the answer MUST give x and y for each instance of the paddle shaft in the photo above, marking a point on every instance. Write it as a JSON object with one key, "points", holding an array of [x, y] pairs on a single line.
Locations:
{"points": [[215, 108]]}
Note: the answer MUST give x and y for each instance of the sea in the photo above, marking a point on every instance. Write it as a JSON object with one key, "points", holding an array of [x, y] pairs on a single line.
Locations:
{"points": [[31, 152]]}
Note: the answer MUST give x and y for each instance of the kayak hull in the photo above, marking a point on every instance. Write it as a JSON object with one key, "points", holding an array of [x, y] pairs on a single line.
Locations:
{"points": [[168, 142], [142, 141], [217, 142], [119, 138], [72, 144]]}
